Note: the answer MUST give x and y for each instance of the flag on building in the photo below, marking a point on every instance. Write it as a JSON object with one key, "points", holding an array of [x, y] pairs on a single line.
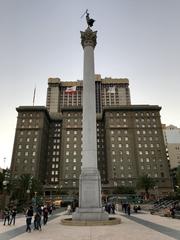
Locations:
{"points": [[112, 90], [70, 89]]}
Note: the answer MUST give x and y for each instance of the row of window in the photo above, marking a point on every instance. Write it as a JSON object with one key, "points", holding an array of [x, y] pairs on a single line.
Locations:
{"points": [[26, 153]]}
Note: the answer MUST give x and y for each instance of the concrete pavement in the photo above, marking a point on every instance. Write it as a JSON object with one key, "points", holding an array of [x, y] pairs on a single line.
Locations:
{"points": [[137, 226]]}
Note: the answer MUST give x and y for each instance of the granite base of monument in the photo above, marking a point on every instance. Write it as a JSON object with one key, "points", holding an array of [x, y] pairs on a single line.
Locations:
{"points": [[90, 207]]}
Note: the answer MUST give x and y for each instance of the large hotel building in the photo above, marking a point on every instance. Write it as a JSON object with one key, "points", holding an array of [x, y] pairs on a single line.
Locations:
{"points": [[48, 140]]}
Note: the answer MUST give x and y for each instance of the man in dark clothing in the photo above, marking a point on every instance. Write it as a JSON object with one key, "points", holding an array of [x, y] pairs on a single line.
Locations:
{"points": [[29, 214], [13, 216], [6, 216], [45, 215]]}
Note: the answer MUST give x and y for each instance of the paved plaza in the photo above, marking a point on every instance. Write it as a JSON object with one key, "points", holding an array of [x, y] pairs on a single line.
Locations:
{"points": [[135, 227]]}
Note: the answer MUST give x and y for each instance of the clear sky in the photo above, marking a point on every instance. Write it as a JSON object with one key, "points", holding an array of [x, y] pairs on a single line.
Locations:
{"points": [[137, 39]]}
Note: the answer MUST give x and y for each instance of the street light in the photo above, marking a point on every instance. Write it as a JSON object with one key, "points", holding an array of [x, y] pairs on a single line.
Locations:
{"points": [[156, 189], [29, 189], [5, 185]]}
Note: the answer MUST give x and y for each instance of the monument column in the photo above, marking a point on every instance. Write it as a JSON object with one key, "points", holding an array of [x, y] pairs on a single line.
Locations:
{"points": [[90, 206]]}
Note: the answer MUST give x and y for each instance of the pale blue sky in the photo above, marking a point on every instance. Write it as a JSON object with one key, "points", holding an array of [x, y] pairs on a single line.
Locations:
{"points": [[137, 39]]}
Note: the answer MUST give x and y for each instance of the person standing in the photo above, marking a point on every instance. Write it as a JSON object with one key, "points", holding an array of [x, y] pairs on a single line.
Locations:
{"points": [[29, 215]]}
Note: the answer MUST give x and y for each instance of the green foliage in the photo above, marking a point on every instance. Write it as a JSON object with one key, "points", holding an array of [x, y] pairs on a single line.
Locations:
{"points": [[145, 183], [22, 185], [1, 181]]}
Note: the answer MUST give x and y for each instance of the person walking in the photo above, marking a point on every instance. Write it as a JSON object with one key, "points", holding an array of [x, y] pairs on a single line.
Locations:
{"points": [[13, 216], [29, 215], [6, 216], [45, 215], [129, 209]]}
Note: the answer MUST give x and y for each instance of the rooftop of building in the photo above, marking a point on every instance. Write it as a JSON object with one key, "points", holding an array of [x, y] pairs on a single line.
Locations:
{"points": [[106, 80]]}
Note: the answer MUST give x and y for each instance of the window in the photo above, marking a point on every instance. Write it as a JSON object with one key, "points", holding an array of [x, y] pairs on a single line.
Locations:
{"points": [[74, 168]]}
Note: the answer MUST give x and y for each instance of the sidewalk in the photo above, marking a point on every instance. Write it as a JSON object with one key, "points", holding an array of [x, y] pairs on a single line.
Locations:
{"points": [[137, 226]]}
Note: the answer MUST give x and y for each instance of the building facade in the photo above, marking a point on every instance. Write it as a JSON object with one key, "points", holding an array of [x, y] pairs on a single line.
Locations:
{"points": [[172, 142], [48, 140]]}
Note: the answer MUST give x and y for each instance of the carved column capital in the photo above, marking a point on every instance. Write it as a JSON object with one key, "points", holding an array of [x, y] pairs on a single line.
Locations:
{"points": [[88, 38]]}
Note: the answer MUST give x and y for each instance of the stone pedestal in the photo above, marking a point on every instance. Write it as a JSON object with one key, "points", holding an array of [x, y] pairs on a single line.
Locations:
{"points": [[90, 207]]}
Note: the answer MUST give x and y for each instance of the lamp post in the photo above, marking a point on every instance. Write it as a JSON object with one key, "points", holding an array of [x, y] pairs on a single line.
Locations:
{"points": [[156, 189], [35, 195], [29, 189], [4, 162], [5, 185]]}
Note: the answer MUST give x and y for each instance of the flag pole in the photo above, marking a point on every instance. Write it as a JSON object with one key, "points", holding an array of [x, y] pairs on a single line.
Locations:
{"points": [[34, 95]]}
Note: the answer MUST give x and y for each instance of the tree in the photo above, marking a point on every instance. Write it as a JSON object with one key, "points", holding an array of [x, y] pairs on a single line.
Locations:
{"points": [[25, 187], [145, 183]]}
